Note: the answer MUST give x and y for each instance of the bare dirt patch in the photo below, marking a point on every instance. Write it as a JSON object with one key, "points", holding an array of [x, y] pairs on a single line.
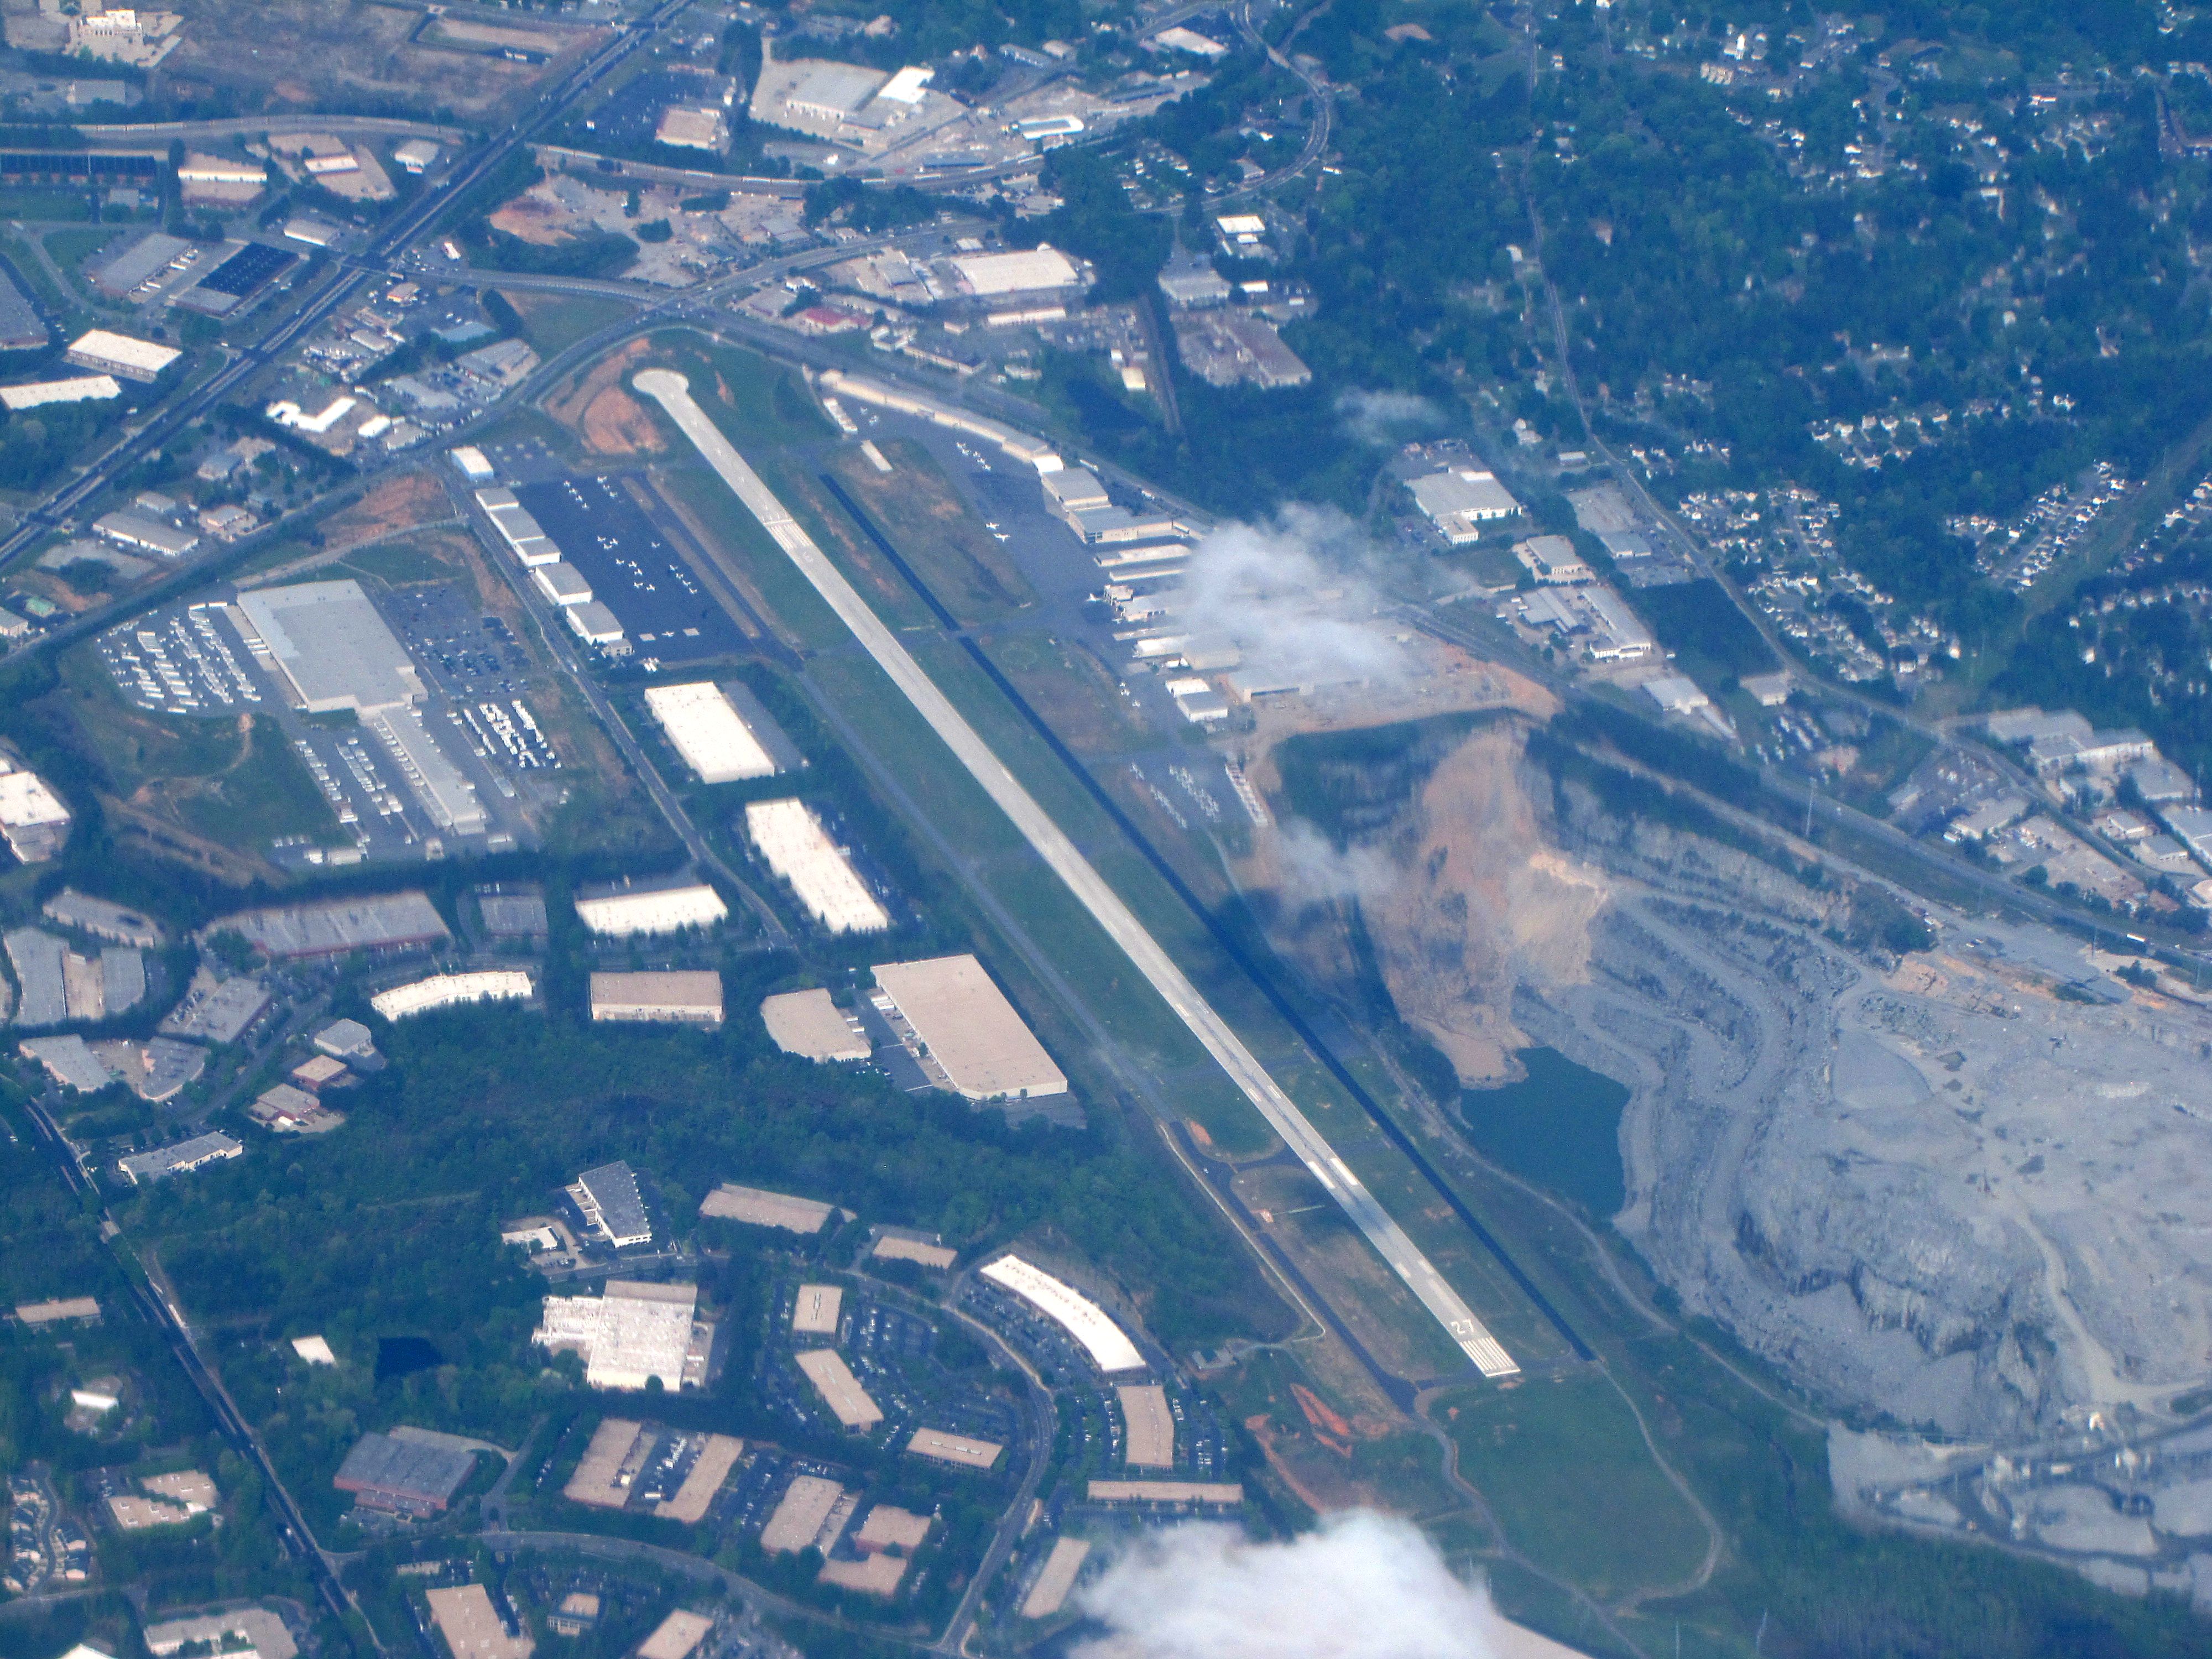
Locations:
{"points": [[165, 840], [1481, 904], [528, 219], [609, 420], [615, 424], [396, 505]]}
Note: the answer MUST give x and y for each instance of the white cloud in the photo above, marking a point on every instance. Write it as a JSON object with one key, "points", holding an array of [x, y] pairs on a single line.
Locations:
{"points": [[1384, 418], [1362, 1586], [1292, 595]]}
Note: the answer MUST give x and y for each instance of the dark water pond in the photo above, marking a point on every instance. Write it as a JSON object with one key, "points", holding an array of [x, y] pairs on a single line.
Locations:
{"points": [[1559, 1125], [402, 1355]]}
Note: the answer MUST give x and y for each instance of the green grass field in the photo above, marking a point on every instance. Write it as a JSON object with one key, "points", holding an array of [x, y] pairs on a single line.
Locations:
{"points": [[557, 321], [1564, 1469], [236, 783], [399, 563]]}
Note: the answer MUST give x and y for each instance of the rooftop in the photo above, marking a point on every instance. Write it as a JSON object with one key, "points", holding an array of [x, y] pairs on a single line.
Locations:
{"points": [[759, 1208], [1109, 1347], [809, 1025], [969, 1029], [683, 994], [372, 922], [333, 645], [797, 848], [632, 1334], [650, 907], [122, 351], [709, 732], [833, 1379], [381, 1465], [452, 990], [1030, 270], [614, 1205]]}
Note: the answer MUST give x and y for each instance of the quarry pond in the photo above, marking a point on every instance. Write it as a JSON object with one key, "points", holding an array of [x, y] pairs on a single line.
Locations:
{"points": [[1559, 1125]]}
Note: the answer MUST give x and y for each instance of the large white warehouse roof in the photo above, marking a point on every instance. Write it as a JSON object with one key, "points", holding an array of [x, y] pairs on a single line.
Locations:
{"points": [[652, 909], [797, 848], [634, 1333], [709, 732], [1024, 272], [1109, 1347], [450, 990], [969, 1029], [332, 645]]}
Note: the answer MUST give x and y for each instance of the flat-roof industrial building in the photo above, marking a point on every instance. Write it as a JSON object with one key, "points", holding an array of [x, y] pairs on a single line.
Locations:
{"points": [[602, 1476], [333, 647], [32, 819], [220, 1014], [61, 1310], [903, 1244], [618, 910], [1106, 1344], [709, 731], [120, 354], [78, 389], [676, 1636], [404, 1477], [969, 1029], [963, 1449], [1151, 1438], [472, 1627], [689, 997], [1460, 501], [833, 1379], [758, 1207], [382, 921], [1049, 1593], [236, 1633], [633, 1334], [68, 1060], [817, 1311], [453, 991], [803, 1516], [797, 847], [143, 533], [176, 1159], [1041, 269], [104, 918], [612, 1206], [811, 1024]]}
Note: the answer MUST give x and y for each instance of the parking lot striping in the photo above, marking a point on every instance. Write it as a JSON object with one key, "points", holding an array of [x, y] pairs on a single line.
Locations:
{"points": [[1420, 1275]]}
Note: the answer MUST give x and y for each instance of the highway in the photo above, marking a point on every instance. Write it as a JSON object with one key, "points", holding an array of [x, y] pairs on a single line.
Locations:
{"points": [[315, 306], [672, 391], [161, 1311], [227, 127]]}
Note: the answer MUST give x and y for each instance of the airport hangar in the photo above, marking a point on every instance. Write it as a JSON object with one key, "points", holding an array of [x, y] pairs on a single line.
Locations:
{"points": [[633, 570]]}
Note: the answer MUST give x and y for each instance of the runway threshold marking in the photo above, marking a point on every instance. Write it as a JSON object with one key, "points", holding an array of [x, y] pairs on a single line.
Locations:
{"points": [[672, 391]]}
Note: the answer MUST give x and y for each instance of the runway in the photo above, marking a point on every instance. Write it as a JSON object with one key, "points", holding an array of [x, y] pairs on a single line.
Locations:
{"points": [[672, 391]]}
